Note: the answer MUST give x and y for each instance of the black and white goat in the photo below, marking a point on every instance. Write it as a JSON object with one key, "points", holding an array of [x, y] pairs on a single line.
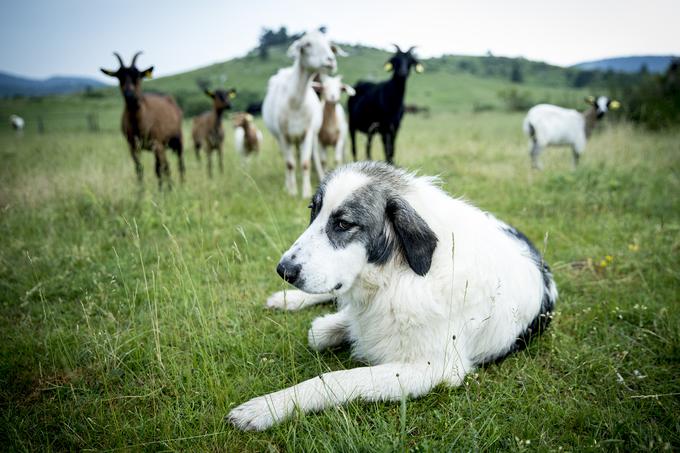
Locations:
{"points": [[547, 125], [379, 107]]}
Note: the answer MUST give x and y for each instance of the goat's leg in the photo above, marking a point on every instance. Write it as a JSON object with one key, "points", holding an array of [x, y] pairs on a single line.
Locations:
{"points": [[135, 152], [369, 139], [353, 139], [208, 158], [289, 157], [387, 145], [393, 141], [534, 153], [197, 150], [220, 157], [340, 150], [180, 161], [162, 167], [319, 164], [306, 150], [577, 155]]}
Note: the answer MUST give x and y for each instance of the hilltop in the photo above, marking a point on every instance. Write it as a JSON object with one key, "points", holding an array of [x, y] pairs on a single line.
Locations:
{"points": [[653, 63], [451, 83], [13, 85]]}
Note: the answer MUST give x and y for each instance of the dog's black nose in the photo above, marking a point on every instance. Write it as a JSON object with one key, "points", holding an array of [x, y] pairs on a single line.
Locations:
{"points": [[288, 271]]}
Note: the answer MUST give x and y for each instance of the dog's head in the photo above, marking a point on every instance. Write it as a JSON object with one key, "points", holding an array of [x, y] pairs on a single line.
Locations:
{"points": [[359, 216]]}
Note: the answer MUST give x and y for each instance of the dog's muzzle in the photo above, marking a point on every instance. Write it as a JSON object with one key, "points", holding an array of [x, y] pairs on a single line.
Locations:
{"points": [[289, 271]]}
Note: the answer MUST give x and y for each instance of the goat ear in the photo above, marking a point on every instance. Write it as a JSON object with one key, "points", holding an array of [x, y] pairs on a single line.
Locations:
{"points": [[388, 66], [348, 89], [317, 86], [590, 100], [294, 49], [109, 72], [416, 238], [614, 105], [337, 50], [232, 93], [148, 73], [209, 93], [420, 68]]}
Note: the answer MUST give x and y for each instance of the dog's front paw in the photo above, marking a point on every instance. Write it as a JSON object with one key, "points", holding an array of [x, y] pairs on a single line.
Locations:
{"points": [[257, 414]]}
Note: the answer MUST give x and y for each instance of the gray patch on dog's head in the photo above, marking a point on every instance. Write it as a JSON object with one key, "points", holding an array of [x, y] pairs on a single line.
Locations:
{"points": [[378, 216]]}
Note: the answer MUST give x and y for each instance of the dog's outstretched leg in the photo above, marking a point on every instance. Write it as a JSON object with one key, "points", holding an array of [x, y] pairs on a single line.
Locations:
{"points": [[387, 382], [328, 331], [295, 299]]}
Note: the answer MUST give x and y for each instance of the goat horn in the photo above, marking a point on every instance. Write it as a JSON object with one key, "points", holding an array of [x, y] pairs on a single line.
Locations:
{"points": [[134, 59], [397, 47], [410, 49], [120, 60]]}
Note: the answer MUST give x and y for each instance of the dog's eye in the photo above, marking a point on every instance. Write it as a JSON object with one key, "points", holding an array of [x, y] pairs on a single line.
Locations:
{"points": [[343, 225]]}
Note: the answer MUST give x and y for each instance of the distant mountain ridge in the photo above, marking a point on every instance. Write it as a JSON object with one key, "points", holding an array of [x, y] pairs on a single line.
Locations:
{"points": [[632, 64], [14, 85]]}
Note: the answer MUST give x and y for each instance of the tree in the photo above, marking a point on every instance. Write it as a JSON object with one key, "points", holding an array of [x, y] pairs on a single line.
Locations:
{"points": [[516, 73]]}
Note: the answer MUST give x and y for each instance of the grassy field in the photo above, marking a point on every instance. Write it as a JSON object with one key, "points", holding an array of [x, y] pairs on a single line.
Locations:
{"points": [[135, 319]]}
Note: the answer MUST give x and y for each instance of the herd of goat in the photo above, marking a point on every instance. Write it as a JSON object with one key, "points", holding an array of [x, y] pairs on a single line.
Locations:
{"points": [[302, 110]]}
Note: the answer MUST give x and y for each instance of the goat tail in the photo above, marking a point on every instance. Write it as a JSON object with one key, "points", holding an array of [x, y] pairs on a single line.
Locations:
{"points": [[528, 128]]}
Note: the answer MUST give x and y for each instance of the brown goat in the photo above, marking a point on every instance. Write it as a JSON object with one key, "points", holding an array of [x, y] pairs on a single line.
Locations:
{"points": [[150, 121], [207, 130], [247, 138]]}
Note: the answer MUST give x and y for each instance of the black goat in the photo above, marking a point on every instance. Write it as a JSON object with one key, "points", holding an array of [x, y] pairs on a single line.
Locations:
{"points": [[378, 107]]}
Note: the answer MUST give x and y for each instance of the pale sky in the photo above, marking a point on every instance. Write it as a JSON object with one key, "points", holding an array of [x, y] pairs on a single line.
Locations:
{"points": [[47, 37]]}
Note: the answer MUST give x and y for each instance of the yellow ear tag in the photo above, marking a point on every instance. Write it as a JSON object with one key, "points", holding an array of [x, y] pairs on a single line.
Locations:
{"points": [[388, 66], [614, 105], [420, 68], [232, 94], [590, 99], [147, 74]]}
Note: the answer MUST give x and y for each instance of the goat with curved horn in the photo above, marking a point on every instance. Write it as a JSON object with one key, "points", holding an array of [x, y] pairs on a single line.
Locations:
{"points": [[410, 49], [396, 47], [120, 60], [134, 59], [150, 121]]}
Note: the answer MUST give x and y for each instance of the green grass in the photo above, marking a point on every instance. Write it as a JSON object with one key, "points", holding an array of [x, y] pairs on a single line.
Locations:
{"points": [[136, 320]]}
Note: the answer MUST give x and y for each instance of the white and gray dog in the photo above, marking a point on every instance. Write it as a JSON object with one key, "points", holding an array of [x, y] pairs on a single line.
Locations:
{"points": [[428, 287]]}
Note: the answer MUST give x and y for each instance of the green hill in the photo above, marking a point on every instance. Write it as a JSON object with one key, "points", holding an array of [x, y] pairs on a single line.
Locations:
{"points": [[449, 84]]}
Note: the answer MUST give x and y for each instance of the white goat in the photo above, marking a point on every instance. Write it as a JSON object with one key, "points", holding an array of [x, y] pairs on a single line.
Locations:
{"points": [[17, 123], [547, 125], [334, 127], [292, 111]]}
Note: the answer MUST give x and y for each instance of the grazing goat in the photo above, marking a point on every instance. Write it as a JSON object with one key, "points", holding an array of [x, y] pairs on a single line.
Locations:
{"points": [[333, 131], [17, 123], [207, 130], [247, 138], [379, 107], [292, 111], [547, 125], [150, 121]]}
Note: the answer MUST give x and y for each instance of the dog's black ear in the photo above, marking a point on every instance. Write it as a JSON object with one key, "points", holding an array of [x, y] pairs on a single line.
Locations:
{"points": [[416, 238]]}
